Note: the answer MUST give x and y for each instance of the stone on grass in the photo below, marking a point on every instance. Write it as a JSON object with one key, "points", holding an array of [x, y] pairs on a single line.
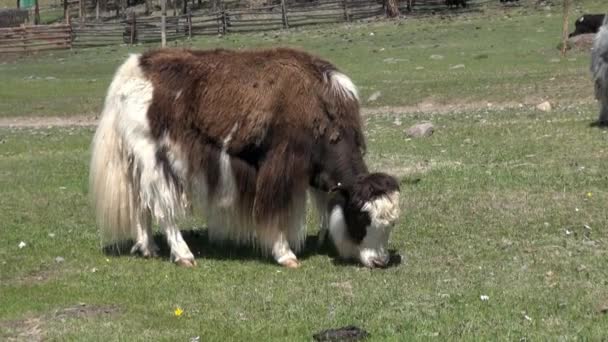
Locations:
{"points": [[421, 130], [545, 106], [373, 97]]}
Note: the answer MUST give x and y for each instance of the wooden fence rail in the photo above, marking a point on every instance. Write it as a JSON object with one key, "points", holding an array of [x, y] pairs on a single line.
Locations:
{"points": [[139, 29], [28, 39]]}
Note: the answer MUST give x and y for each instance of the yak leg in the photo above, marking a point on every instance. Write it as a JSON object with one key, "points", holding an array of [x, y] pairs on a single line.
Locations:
{"points": [[180, 252], [144, 243]]}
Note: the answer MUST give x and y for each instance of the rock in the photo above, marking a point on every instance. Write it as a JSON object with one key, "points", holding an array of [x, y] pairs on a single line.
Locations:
{"points": [[373, 97], [436, 57], [457, 66], [422, 130], [545, 106], [59, 260]]}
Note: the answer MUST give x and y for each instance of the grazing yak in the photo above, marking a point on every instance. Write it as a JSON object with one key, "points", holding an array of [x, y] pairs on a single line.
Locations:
{"points": [[241, 137], [587, 23], [599, 70]]}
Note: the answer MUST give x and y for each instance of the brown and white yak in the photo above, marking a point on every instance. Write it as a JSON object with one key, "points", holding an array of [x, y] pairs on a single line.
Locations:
{"points": [[241, 137]]}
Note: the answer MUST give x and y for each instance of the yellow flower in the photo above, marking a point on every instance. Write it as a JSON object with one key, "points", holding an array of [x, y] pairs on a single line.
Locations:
{"points": [[178, 312], [589, 194]]}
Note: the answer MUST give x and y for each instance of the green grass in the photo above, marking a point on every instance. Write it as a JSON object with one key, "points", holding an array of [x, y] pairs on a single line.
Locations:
{"points": [[488, 202], [509, 55]]}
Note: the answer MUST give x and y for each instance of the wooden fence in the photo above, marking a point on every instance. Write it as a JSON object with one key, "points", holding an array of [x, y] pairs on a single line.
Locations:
{"points": [[224, 21], [28, 39], [140, 29]]}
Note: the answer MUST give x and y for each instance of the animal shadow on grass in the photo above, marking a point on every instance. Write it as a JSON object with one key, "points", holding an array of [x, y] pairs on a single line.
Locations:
{"points": [[599, 124], [203, 248]]}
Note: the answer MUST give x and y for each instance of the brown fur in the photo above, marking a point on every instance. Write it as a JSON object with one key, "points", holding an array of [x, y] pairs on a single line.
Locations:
{"points": [[290, 124]]}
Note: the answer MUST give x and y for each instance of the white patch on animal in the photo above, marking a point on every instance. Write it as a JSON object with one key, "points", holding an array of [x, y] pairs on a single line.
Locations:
{"points": [[178, 94], [372, 252], [343, 85], [339, 234], [227, 186], [281, 251], [179, 249], [123, 141], [384, 210]]}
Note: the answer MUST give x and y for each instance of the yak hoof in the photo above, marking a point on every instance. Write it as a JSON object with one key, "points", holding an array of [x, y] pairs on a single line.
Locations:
{"points": [[291, 263], [145, 250], [188, 263]]}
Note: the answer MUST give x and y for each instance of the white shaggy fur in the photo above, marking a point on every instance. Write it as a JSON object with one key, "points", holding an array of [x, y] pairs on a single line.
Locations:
{"points": [[126, 185], [599, 69], [344, 85], [383, 212]]}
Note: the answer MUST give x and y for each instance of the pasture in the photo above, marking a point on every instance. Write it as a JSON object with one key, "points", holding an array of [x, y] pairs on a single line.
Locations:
{"points": [[504, 202]]}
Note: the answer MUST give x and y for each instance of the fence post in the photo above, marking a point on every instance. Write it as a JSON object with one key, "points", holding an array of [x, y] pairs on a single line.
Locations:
{"points": [[565, 27], [97, 10], [189, 23], [23, 38], [133, 28], [163, 23], [71, 35], [36, 13], [345, 6], [65, 9], [284, 14], [81, 10], [68, 20], [224, 21]]}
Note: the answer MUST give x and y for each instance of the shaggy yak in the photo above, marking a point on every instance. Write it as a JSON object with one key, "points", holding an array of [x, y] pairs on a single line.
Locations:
{"points": [[240, 137], [599, 70]]}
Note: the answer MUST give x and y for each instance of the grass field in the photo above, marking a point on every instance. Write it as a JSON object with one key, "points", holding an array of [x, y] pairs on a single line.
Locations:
{"points": [[500, 56], [508, 204]]}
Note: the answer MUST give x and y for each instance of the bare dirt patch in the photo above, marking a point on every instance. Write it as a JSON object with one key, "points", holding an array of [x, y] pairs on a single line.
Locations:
{"points": [[28, 329], [32, 328], [84, 310], [426, 106], [48, 121]]}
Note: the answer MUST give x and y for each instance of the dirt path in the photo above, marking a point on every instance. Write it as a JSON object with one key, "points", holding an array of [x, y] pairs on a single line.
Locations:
{"points": [[424, 107], [48, 121]]}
